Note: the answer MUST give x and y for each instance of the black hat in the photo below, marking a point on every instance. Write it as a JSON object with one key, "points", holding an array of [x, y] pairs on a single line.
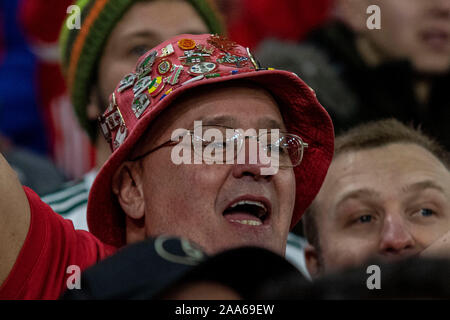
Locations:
{"points": [[148, 268]]}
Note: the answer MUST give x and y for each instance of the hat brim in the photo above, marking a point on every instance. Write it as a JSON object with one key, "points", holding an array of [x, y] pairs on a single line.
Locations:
{"points": [[302, 113]]}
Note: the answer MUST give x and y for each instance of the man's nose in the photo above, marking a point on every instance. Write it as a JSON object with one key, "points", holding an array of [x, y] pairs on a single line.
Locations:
{"points": [[396, 238], [248, 162]]}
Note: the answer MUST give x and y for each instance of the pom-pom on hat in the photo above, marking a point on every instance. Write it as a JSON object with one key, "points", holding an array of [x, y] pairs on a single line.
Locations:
{"points": [[177, 66]]}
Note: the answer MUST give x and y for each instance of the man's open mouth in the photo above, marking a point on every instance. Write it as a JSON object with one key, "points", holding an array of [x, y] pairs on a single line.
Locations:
{"points": [[248, 212]]}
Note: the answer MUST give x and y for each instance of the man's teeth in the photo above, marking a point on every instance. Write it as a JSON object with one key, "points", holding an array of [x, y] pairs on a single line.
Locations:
{"points": [[248, 222], [244, 202]]}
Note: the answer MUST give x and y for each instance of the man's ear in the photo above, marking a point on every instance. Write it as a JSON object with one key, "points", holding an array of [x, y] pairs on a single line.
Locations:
{"points": [[312, 261], [127, 186]]}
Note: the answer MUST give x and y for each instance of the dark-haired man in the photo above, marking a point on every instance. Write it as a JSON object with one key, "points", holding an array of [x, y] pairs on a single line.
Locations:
{"points": [[386, 196]]}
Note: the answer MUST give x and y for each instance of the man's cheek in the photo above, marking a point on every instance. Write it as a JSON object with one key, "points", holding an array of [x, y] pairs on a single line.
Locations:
{"points": [[195, 184], [207, 177], [342, 253], [286, 199], [439, 248], [292, 190]]}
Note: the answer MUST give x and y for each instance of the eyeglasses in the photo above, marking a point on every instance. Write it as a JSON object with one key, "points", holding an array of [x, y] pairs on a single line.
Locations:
{"points": [[222, 144]]}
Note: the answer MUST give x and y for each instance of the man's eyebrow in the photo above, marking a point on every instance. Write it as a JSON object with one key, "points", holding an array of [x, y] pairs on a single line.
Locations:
{"points": [[225, 120], [358, 194], [230, 121], [422, 185], [270, 123]]}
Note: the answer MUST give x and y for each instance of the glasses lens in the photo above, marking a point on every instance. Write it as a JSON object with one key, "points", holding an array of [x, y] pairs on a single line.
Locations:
{"points": [[218, 144], [289, 149]]}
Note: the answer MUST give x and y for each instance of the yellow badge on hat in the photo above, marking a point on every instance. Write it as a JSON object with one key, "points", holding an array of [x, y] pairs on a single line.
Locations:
{"points": [[156, 86]]}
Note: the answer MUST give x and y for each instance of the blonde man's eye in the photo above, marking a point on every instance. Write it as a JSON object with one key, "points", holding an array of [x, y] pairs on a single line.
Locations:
{"points": [[365, 218], [425, 212]]}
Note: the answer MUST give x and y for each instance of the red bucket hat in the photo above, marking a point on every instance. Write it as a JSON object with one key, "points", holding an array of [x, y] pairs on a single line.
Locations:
{"points": [[176, 66]]}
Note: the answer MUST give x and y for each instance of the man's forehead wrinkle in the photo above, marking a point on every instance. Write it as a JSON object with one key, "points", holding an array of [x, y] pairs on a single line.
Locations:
{"points": [[350, 179], [213, 103], [226, 120], [422, 185], [234, 122], [361, 193], [270, 123]]}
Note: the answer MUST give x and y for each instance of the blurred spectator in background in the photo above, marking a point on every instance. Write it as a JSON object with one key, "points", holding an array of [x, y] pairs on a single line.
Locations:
{"points": [[251, 21], [386, 196], [359, 74], [401, 70], [23, 138], [70, 147], [116, 34], [21, 120]]}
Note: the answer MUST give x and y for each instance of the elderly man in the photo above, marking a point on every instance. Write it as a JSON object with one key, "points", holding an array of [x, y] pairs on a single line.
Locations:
{"points": [[181, 97], [386, 196]]}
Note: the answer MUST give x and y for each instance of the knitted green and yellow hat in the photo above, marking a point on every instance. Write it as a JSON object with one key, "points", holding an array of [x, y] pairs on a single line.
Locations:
{"points": [[82, 48]]}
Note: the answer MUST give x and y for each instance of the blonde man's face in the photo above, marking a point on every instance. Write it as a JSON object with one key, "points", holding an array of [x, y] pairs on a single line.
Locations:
{"points": [[389, 203]]}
